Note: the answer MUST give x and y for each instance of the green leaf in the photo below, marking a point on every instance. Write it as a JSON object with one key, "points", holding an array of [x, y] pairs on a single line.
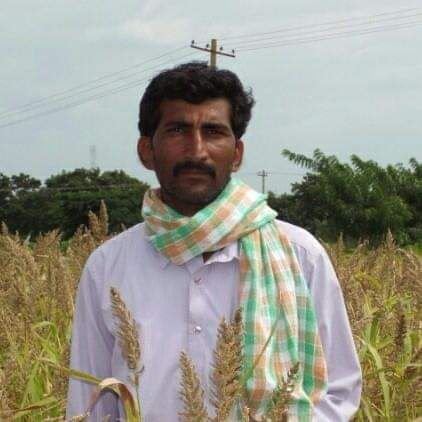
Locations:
{"points": [[385, 387]]}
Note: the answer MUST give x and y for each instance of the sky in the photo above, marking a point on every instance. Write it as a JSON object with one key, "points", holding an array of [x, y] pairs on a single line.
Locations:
{"points": [[351, 94]]}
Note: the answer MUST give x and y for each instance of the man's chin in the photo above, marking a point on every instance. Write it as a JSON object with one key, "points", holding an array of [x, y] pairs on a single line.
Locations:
{"points": [[197, 193], [197, 196]]}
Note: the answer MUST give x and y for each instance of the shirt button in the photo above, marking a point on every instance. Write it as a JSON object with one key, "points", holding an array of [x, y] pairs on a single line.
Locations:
{"points": [[197, 280], [197, 329]]}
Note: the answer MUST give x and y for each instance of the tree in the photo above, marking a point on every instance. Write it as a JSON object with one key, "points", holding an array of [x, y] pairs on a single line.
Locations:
{"points": [[23, 182], [66, 199], [82, 190], [18, 202], [5, 192], [360, 200], [285, 205]]}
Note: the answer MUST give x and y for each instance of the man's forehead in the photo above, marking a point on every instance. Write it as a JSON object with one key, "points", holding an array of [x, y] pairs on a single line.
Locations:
{"points": [[217, 109]]}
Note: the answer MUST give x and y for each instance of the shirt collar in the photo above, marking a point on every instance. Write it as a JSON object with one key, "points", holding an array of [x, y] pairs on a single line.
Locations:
{"points": [[227, 254]]}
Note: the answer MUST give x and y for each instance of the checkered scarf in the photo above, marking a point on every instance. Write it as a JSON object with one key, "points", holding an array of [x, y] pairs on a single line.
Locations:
{"points": [[278, 314]]}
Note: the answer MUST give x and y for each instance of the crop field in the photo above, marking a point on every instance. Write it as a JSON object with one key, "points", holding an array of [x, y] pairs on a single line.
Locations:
{"points": [[38, 280]]}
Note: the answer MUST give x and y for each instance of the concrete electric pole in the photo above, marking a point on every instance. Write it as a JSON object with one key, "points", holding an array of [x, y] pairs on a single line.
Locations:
{"points": [[263, 174], [213, 52], [93, 156]]}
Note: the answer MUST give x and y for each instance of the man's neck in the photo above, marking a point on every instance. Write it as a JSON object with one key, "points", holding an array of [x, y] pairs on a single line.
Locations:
{"points": [[189, 210], [181, 207]]}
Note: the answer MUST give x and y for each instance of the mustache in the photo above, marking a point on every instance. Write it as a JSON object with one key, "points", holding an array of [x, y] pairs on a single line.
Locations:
{"points": [[192, 165]]}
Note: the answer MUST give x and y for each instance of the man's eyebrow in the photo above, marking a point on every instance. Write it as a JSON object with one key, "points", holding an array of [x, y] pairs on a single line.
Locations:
{"points": [[205, 125], [181, 123], [212, 125]]}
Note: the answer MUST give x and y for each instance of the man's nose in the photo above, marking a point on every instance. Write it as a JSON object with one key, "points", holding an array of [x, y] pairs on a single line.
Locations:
{"points": [[197, 145]]}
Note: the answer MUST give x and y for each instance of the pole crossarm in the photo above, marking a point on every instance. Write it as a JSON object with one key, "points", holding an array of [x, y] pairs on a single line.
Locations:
{"points": [[208, 50], [214, 52], [263, 174]]}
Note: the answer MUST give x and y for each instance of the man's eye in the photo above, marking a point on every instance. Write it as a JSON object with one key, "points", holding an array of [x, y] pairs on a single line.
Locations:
{"points": [[176, 129]]}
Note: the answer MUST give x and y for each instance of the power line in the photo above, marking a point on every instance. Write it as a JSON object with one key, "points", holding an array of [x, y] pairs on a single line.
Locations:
{"points": [[75, 188], [253, 47], [250, 45], [266, 173], [284, 173], [112, 186], [100, 95], [293, 28], [47, 101], [84, 84], [277, 173], [344, 34], [371, 22], [40, 101]]}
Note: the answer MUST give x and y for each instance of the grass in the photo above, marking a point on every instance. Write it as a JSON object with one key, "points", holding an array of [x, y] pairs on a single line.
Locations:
{"points": [[382, 289], [417, 249]]}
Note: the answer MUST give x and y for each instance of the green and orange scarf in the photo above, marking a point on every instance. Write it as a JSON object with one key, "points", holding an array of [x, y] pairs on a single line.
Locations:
{"points": [[277, 307]]}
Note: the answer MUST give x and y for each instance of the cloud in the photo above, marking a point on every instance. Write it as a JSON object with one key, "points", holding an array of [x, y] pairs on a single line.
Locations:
{"points": [[357, 94], [157, 30]]}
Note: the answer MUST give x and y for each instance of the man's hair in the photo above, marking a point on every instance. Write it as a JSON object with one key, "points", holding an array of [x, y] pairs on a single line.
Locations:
{"points": [[195, 82]]}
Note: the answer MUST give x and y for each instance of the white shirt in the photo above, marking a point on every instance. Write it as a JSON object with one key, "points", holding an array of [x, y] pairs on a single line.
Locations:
{"points": [[179, 308]]}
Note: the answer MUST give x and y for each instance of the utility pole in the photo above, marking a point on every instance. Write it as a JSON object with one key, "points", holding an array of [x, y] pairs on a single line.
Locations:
{"points": [[212, 49], [263, 174], [93, 156]]}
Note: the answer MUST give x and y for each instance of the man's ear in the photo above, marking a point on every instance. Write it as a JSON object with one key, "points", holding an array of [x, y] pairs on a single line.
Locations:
{"points": [[145, 152], [238, 157]]}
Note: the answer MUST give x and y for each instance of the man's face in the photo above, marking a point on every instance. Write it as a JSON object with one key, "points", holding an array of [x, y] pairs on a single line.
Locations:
{"points": [[192, 152]]}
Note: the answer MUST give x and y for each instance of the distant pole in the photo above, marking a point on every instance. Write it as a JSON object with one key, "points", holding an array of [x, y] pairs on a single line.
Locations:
{"points": [[214, 52], [263, 174], [93, 156]]}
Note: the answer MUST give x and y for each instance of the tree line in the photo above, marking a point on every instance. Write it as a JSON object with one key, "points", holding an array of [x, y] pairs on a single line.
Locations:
{"points": [[65, 199], [359, 200]]}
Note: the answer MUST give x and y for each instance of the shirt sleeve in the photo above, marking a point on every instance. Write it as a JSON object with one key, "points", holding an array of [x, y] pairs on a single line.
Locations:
{"points": [[91, 350], [344, 373]]}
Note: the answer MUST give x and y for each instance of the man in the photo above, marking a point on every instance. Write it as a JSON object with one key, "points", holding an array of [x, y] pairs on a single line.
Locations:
{"points": [[210, 245]]}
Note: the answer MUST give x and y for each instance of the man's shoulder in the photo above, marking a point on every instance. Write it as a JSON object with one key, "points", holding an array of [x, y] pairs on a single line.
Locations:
{"points": [[312, 257], [131, 239], [301, 239]]}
